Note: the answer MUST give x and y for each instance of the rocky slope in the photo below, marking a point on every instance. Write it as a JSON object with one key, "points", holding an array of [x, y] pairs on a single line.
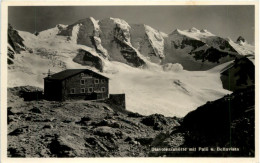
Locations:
{"points": [[225, 127], [78, 128], [15, 44], [98, 129], [15, 40]]}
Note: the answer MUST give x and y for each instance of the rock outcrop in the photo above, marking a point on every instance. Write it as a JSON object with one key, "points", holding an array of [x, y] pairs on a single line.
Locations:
{"points": [[15, 40], [240, 74], [87, 59], [241, 39], [227, 122], [15, 44]]}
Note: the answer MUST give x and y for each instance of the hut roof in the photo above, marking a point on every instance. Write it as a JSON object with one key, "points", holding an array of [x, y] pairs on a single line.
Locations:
{"points": [[71, 72]]}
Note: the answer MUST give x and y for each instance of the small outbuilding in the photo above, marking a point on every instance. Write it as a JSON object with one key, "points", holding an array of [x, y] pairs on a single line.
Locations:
{"points": [[76, 84]]}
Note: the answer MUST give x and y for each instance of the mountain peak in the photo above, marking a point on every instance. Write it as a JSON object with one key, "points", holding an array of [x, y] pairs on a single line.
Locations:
{"points": [[176, 31], [120, 22], [85, 19], [240, 39], [204, 31], [193, 29], [61, 26], [228, 39]]}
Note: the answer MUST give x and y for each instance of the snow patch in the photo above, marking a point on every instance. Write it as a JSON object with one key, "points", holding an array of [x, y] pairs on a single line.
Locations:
{"points": [[252, 59], [194, 33], [49, 33], [97, 38], [74, 34], [62, 26], [176, 67], [201, 48], [193, 30], [100, 47], [10, 47], [95, 24], [29, 38], [121, 23]]}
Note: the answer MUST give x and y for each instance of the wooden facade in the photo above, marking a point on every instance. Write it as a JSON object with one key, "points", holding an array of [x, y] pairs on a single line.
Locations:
{"points": [[76, 84]]}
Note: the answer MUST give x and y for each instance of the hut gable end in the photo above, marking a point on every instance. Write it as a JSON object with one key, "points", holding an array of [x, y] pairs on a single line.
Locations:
{"points": [[78, 84]]}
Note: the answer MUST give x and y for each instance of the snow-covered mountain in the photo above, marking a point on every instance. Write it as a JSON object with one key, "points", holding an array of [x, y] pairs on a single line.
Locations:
{"points": [[144, 63], [201, 50], [110, 38], [119, 41]]}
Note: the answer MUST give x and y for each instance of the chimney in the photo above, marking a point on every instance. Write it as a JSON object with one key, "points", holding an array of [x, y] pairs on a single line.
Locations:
{"points": [[49, 73]]}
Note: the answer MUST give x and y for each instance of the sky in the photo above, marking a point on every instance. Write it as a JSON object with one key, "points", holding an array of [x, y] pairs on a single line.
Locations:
{"points": [[224, 21]]}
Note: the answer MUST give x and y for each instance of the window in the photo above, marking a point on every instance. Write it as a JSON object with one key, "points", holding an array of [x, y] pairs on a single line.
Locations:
{"points": [[72, 90], [82, 82], [102, 80], [82, 74], [82, 90], [90, 90], [96, 81], [103, 89]]}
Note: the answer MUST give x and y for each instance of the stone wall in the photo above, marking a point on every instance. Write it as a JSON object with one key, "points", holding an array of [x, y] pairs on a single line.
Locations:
{"points": [[118, 100]]}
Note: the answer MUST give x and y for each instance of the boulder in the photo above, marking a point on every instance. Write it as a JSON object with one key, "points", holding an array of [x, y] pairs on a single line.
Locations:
{"points": [[109, 122], [16, 152], [60, 148], [144, 140], [47, 127], [36, 110], [157, 121], [134, 115], [9, 111], [19, 131], [105, 131], [84, 120], [95, 143]]}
